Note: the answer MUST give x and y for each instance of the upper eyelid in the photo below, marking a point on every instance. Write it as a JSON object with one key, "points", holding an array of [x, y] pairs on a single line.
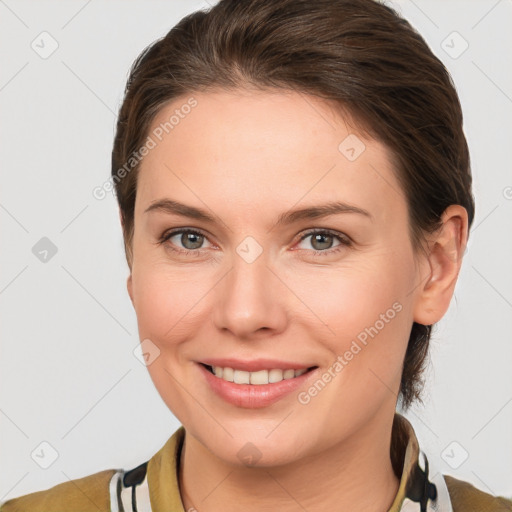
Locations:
{"points": [[171, 232], [333, 232]]}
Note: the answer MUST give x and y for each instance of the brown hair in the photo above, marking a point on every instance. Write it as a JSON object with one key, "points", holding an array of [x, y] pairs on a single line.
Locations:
{"points": [[358, 53]]}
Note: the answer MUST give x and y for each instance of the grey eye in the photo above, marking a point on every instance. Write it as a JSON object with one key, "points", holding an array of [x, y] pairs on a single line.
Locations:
{"points": [[191, 240], [321, 241]]}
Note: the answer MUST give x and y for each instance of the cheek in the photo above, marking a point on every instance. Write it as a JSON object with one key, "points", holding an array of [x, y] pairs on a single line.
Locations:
{"points": [[350, 298], [155, 304], [363, 311], [167, 301]]}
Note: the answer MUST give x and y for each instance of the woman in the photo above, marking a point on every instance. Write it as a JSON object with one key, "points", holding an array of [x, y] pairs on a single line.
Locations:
{"points": [[295, 197]]}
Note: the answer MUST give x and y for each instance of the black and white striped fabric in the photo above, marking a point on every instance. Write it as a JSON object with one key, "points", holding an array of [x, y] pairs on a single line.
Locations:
{"points": [[129, 490]]}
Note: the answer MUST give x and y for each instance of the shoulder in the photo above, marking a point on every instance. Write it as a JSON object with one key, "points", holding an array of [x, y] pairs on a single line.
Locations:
{"points": [[90, 493], [465, 497], [116, 489]]}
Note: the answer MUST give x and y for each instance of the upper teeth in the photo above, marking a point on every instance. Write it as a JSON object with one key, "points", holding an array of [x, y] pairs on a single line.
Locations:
{"points": [[259, 377]]}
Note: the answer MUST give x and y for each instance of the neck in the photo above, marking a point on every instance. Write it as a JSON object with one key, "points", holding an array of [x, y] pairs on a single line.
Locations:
{"points": [[355, 474]]}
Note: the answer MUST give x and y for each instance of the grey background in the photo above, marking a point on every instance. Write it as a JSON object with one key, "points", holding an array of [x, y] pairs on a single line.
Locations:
{"points": [[68, 373]]}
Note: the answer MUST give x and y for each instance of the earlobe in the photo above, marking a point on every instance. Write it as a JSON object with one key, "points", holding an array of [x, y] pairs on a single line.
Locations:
{"points": [[445, 253]]}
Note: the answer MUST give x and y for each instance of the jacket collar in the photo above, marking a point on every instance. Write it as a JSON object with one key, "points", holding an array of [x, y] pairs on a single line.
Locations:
{"points": [[422, 488]]}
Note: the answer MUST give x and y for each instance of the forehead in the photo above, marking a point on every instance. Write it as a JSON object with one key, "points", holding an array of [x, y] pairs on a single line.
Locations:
{"points": [[260, 149]]}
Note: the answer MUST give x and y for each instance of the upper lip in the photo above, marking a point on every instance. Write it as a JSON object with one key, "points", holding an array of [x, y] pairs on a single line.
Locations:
{"points": [[254, 365]]}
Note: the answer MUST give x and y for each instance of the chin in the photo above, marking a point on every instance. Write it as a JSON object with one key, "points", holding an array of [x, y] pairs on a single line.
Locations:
{"points": [[254, 447]]}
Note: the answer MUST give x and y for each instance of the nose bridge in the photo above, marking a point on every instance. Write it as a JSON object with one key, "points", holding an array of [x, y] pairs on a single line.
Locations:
{"points": [[246, 301]]}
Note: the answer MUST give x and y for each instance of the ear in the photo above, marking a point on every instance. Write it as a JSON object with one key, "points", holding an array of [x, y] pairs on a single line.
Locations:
{"points": [[129, 287], [444, 259]]}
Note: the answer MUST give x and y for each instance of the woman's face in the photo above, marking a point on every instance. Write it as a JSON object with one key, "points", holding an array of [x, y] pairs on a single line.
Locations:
{"points": [[256, 289]]}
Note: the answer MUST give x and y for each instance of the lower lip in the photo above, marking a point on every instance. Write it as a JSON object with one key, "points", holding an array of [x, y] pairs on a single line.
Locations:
{"points": [[252, 396]]}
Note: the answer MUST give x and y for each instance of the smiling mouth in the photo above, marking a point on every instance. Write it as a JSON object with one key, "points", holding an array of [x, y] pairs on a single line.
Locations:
{"points": [[258, 378]]}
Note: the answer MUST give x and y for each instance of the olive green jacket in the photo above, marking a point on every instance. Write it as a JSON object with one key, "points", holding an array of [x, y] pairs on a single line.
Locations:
{"points": [[153, 486]]}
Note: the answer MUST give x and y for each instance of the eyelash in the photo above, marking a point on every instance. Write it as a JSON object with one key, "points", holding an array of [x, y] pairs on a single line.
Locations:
{"points": [[343, 239]]}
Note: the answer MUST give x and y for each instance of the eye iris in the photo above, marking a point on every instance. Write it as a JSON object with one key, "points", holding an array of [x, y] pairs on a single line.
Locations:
{"points": [[196, 240], [318, 238]]}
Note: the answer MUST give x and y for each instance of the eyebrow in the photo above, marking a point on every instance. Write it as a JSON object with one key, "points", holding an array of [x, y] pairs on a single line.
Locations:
{"points": [[312, 212]]}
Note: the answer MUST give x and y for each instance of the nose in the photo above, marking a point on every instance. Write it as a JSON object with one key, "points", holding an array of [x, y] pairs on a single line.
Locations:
{"points": [[249, 301]]}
